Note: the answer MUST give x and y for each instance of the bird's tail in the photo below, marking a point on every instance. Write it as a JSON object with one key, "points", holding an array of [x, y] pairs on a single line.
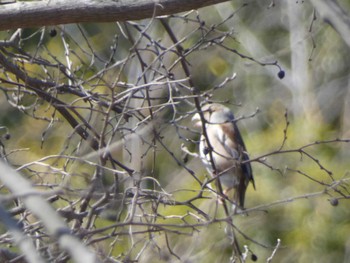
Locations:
{"points": [[236, 197]]}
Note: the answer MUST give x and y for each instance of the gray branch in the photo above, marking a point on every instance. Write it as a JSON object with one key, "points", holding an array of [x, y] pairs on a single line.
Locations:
{"points": [[25, 244], [332, 13], [20, 187], [55, 12]]}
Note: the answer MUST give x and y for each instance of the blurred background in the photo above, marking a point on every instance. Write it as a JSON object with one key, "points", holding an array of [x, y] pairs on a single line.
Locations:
{"points": [[296, 129]]}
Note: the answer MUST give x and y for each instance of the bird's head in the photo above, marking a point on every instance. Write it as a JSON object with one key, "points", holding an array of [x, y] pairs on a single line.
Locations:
{"points": [[213, 114]]}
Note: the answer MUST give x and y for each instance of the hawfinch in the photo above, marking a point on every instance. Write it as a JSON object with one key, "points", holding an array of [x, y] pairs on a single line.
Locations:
{"points": [[227, 150]]}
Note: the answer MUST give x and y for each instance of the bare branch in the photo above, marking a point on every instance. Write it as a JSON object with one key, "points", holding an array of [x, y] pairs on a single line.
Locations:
{"points": [[45, 13], [332, 13], [39, 207]]}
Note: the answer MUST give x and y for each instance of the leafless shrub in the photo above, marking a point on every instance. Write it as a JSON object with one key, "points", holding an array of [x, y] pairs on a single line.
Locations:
{"points": [[117, 142]]}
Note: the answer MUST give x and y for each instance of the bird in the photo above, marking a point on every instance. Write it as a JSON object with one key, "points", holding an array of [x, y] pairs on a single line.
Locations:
{"points": [[225, 156]]}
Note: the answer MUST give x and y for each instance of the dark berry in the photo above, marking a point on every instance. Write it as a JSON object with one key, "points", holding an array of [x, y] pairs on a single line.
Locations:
{"points": [[254, 257], [53, 32], [334, 201], [281, 74]]}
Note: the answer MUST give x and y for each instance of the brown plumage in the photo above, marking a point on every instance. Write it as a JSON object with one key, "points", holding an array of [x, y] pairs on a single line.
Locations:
{"points": [[228, 151]]}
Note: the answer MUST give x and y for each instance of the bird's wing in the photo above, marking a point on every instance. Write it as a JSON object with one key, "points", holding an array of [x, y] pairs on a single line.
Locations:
{"points": [[235, 147], [246, 167]]}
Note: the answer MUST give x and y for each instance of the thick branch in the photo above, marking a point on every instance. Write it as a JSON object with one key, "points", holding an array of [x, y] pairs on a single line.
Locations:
{"points": [[337, 17], [55, 12], [55, 225]]}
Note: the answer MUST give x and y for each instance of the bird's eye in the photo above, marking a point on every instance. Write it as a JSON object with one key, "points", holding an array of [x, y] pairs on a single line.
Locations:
{"points": [[206, 150]]}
